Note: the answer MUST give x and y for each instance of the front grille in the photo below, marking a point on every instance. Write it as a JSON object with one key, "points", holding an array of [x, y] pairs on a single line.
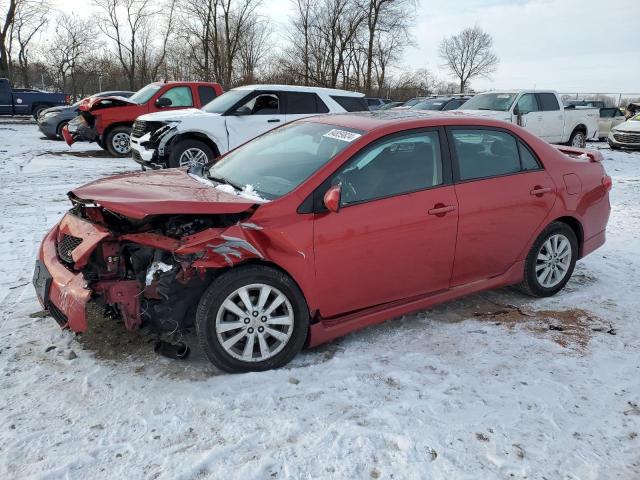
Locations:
{"points": [[66, 246], [60, 318], [627, 137], [140, 127]]}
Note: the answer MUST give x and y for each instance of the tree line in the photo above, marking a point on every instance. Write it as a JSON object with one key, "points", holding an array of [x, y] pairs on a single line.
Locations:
{"points": [[350, 44]]}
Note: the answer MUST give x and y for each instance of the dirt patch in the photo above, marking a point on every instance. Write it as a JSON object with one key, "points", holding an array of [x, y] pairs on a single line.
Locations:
{"points": [[572, 328], [79, 154]]}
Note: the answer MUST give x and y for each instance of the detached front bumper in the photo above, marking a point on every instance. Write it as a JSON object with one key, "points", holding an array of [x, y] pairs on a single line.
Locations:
{"points": [[61, 291], [77, 130]]}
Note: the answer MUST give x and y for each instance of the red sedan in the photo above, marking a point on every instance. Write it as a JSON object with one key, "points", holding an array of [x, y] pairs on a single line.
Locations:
{"points": [[325, 226]]}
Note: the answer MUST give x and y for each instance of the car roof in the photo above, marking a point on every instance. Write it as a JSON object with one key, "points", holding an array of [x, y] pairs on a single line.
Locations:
{"points": [[376, 120], [300, 88]]}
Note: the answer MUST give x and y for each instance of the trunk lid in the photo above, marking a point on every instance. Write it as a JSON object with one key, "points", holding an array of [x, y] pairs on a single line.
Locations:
{"points": [[163, 192]]}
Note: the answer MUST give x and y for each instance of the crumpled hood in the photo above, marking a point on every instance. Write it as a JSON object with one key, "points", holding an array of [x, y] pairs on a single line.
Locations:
{"points": [[171, 115], [629, 126], [93, 103], [162, 192]]}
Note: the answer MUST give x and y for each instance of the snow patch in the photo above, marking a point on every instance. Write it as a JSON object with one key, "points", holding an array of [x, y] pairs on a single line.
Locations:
{"points": [[247, 192], [155, 268]]}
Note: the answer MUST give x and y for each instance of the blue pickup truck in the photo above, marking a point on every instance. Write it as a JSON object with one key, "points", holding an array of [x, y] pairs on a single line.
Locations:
{"points": [[26, 101]]}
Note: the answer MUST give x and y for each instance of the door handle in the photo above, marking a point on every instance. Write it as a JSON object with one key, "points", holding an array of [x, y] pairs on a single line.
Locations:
{"points": [[538, 191], [440, 209], [273, 120]]}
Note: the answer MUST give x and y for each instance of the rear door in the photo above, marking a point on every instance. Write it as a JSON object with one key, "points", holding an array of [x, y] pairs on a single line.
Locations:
{"points": [[504, 194], [303, 104], [394, 236], [262, 112], [552, 117]]}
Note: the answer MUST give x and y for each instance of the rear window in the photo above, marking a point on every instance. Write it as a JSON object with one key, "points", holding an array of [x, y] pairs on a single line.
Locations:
{"points": [[548, 102], [206, 94], [304, 102], [351, 104]]}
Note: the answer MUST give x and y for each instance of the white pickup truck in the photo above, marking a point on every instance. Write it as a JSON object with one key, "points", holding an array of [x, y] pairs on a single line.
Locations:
{"points": [[541, 112]]}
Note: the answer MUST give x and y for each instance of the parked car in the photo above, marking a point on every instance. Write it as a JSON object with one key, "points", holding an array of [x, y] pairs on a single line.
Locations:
{"points": [[441, 103], [27, 101], [540, 112], [108, 120], [413, 101], [322, 227], [376, 103], [626, 135], [52, 120], [390, 105], [609, 118], [173, 139]]}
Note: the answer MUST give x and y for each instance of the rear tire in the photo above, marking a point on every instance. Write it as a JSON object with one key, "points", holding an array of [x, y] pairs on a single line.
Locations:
{"points": [[190, 151], [578, 139], [38, 110], [258, 337], [118, 141], [59, 129], [550, 262]]}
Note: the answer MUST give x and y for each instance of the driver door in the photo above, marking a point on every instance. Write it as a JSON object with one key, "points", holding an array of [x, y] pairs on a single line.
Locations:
{"points": [[530, 114], [395, 233], [261, 113]]}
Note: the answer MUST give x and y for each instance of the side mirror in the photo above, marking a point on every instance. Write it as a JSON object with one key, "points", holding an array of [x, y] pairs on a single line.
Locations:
{"points": [[332, 198], [516, 110], [244, 110], [163, 102]]}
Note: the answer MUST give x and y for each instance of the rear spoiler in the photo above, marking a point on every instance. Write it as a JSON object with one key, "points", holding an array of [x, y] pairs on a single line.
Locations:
{"points": [[591, 155]]}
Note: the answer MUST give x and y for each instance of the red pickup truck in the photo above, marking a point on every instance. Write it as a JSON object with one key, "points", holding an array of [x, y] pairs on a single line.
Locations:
{"points": [[108, 120]]}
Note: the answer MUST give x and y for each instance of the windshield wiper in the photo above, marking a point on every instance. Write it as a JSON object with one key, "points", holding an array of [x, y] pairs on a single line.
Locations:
{"points": [[221, 179]]}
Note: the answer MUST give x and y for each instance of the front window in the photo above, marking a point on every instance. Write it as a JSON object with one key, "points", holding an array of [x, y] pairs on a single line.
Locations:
{"points": [[491, 101], [276, 163], [225, 101], [179, 96], [145, 93]]}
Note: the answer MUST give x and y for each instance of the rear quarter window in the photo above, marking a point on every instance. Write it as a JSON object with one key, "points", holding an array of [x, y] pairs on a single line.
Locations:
{"points": [[351, 104], [548, 102], [206, 94]]}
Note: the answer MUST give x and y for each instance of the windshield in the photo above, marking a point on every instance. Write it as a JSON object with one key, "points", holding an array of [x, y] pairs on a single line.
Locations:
{"points": [[435, 104], [491, 101], [225, 101], [275, 163], [144, 94]]}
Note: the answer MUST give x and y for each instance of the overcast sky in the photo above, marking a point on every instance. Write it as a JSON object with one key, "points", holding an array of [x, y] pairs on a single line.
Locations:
{"points": [[567, 45]]}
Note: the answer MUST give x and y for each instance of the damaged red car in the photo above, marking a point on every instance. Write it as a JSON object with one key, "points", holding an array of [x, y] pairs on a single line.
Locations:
{"points": [[108, 120], [322, 227]]}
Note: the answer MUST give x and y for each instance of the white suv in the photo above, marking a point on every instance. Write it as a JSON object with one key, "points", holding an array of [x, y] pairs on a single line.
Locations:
{"points": [[184, 137]]}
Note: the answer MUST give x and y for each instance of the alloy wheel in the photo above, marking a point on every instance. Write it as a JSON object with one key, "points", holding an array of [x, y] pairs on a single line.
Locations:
{"points": [[254, 323], [553, 260], [192, 156]]}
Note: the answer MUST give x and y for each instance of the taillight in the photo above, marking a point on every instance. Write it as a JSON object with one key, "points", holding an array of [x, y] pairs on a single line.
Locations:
{"points": [[67, 99], [607, 183]]}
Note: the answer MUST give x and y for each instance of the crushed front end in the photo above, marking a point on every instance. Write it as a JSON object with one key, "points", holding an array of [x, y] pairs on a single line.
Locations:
{"points": [[150, 142], [143, 271]]}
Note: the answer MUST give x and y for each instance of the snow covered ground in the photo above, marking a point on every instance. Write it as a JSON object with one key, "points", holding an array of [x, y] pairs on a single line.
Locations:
{"points": [[494, 386]]}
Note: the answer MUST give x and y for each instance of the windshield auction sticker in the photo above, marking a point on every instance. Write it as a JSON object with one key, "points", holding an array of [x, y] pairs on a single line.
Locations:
{"points": [[343, 135]]}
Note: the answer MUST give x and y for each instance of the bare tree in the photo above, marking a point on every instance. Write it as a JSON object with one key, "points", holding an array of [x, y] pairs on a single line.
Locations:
{"points": [[71, 46], [129, 25], [469, 55], [9, 18], [29, 19]]}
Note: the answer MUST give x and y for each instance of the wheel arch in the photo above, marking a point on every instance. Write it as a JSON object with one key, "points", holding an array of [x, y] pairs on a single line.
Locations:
{"points": [[579, 128], [196, 136], [577, 228], [108, 130]]}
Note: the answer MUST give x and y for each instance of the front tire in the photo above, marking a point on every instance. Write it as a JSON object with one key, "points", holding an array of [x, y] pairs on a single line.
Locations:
{"points": [[59, 130], [578, 139], [252, 318], [550, 262], [190, 152], [118, 141]]}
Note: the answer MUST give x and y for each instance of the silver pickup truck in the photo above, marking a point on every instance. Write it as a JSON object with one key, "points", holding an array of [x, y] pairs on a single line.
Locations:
{"points": [[541, 112]]}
